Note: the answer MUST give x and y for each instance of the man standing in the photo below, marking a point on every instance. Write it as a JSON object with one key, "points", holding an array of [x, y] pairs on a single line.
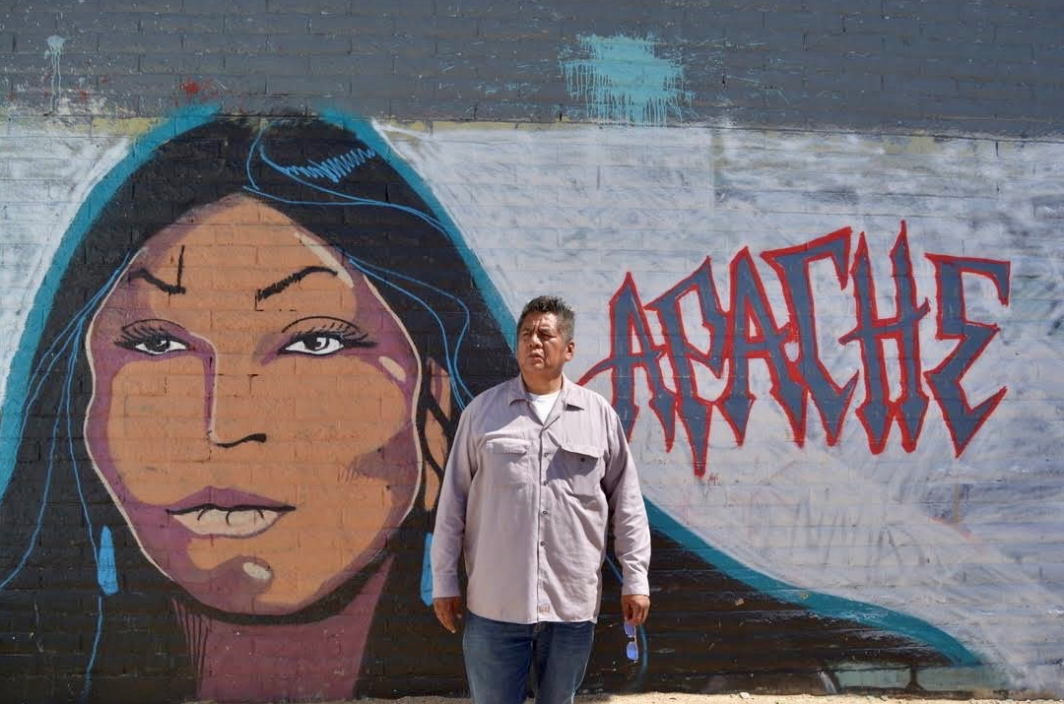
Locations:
{"points": [[537, 466]]}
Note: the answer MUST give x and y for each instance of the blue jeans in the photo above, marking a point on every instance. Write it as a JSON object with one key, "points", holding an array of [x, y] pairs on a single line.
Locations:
{"points": [[498, 657]]}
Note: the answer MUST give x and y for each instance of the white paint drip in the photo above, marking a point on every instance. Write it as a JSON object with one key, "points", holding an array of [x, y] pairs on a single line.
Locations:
{"points": [[55, 53]]}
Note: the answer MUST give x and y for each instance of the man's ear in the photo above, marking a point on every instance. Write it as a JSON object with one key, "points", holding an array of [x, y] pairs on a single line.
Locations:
{"points": [[436, 442]]}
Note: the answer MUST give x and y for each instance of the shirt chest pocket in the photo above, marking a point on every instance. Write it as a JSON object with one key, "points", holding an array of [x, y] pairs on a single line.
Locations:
{"points": [[507, 462], [581, 467]]}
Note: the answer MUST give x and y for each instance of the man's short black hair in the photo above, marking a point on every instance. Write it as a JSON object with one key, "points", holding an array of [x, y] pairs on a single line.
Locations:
{"points": [[555, 305]]}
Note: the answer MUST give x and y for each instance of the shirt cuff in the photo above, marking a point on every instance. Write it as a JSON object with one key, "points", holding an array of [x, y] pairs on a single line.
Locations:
{"points": [[635, 584], [444, 586]]}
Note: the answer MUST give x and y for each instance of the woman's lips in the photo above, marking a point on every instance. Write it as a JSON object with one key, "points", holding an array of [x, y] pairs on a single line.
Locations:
{"points": [[227, 513]]}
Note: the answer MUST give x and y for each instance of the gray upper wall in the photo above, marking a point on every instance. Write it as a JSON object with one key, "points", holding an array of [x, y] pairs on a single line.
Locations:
{"points": [[990, 67]]}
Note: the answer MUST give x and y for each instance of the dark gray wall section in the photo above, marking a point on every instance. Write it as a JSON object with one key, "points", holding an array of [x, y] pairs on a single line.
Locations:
{"points": [[951, 66]]}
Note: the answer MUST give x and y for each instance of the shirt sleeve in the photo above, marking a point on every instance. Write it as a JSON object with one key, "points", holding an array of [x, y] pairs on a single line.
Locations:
{"points": [[631, 530], [449, 532]]}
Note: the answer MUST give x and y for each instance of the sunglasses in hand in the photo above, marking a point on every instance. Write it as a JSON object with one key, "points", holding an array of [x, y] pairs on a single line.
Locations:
{"points": [[633, 645]]}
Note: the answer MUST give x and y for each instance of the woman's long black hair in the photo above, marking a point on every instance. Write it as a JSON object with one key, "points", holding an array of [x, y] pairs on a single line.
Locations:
{"points": [[88, 616]]}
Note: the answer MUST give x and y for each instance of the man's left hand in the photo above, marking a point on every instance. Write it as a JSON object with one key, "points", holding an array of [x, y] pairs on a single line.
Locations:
{"points": [[635, 608]]}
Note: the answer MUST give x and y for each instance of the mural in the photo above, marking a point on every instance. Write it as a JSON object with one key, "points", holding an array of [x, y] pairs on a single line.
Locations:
{"points": [[239, 369]]}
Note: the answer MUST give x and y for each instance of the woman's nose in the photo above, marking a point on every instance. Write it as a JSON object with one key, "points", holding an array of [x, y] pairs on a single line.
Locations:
{"points": [[235, 417]]}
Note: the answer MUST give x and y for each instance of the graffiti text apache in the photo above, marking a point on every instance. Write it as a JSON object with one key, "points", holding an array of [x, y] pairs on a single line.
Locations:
{"points": [[748, 330]]}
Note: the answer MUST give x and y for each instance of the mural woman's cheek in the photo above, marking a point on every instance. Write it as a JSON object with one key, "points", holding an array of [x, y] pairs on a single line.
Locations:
{"points": [[152, 444]]}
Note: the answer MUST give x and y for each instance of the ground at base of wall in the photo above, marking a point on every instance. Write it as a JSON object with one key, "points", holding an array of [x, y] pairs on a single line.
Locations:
{"points": [[680, 698]]}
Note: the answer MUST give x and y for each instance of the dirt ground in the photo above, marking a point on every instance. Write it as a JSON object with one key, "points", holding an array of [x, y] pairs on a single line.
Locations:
{"points": [[676, 698]]}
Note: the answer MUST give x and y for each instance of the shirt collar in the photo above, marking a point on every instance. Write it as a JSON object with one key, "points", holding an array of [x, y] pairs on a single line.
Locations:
{"points": [[571, 394]]}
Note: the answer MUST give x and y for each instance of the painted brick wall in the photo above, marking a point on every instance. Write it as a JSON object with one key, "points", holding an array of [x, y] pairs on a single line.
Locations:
{"points": [[256, 256]]}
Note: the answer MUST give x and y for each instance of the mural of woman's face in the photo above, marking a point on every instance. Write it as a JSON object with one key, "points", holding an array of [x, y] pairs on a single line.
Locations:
{"points": [[253, 409]]}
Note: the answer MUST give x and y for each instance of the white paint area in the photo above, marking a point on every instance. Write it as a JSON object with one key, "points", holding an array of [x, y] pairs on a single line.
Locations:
{"points": [[971, 545], [46, 173]]}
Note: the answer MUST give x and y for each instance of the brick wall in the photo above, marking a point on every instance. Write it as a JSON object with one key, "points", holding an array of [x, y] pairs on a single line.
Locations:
{"points": [[814, 250]]}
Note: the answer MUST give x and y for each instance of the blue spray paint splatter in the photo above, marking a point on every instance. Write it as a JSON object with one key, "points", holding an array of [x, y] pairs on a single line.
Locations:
{"points": [[621, 80]]}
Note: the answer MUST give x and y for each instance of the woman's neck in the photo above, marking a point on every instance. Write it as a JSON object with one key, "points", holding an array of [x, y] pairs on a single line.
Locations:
{"points": [[283, 662]]}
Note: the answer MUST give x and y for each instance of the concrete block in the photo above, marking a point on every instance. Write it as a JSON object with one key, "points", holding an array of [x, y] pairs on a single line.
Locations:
{"points": [[140, 5], [184, 23], [355, 25], [827, 21], [261, 23], [309, 7], [271, 65], [357, 65], [80, 21], [136, 84], [29, 20], [323, 86], [511, 29], [310, 44], [916, 11], [181, 63], [226, 43], [229, 7], [140, 43], [437, 27], [267, 105]]}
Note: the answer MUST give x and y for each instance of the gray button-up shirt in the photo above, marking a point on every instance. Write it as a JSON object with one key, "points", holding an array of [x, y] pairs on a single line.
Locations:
{"points": [[528, 502]]}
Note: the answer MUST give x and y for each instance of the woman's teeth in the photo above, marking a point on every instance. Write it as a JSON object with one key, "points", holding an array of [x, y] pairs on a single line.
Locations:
{"points": [[229, 523]]}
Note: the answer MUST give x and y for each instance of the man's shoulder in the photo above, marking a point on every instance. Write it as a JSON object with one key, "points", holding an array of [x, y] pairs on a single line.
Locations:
{"points": [[588, 398], [490, 397]]}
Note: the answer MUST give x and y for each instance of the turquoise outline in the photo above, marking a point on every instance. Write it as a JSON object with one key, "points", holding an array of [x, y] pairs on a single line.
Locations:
{"points": [[822, 604], [192, 117]]}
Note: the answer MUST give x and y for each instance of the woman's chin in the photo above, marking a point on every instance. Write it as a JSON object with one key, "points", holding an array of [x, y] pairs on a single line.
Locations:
{"points": [[249, 586]]}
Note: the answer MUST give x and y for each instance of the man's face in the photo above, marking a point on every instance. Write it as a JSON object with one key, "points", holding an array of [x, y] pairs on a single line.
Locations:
{"points": [[542, 349]]}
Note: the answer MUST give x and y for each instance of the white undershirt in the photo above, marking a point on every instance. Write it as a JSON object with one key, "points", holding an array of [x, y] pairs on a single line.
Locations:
{"points": [[543, 403]]}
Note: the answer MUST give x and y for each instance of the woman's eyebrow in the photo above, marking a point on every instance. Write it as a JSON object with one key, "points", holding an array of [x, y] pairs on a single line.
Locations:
{"points": [[275, 288], [154, 281], [172, 289]]}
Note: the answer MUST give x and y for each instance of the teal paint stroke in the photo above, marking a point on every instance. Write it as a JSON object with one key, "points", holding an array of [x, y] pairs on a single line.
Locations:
{"points": [[426, 572], [621, 79], [821, 604], [11, 415], [106, 571]]}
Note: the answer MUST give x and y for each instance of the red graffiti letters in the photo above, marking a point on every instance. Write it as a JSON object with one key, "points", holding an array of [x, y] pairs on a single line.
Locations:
{"points": [[748, 330]]}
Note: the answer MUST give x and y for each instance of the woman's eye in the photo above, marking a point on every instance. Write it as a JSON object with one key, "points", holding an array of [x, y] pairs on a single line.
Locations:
{"points": [[315, 344], [159, 344]]}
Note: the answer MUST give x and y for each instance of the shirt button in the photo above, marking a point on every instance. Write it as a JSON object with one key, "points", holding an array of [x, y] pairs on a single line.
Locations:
{"points": [[542, 543], [544, 513]]}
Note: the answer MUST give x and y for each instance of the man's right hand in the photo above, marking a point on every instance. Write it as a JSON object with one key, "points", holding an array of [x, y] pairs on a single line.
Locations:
{"points": [[449, 611]]}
